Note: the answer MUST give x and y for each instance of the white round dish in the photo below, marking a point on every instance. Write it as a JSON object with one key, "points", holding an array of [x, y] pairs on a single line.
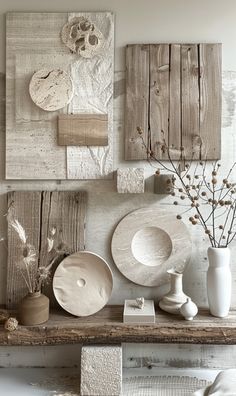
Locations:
{"points": [[148, 242], [82, 283], [51, 89]]}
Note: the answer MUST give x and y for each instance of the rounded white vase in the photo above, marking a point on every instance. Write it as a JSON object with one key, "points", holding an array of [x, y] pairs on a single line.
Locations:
{"points": [[219, 281]]}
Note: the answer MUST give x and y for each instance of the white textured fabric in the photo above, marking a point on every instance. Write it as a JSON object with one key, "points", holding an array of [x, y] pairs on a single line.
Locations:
{"points": [[224, 385], [161, 386]]}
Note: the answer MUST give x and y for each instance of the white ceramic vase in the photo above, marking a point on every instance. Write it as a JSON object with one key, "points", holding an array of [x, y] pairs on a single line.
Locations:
{"points": [[173, 300], [219, 281]]}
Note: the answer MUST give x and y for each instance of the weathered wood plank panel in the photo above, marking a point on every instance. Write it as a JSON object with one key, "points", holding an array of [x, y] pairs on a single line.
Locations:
{"points": [[137, 101], [39, 213], [176, 84], [175, 102], [107, 327], [159, 96], [210, 99], [83, 130], [190, 96]]}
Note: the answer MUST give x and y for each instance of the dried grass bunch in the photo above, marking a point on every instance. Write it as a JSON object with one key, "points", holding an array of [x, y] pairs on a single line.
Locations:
{"points": [[36, 276], [196, 187]]}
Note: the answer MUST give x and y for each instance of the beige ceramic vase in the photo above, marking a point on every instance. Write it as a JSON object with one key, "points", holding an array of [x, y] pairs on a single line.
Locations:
{"points": [[34, 309]]}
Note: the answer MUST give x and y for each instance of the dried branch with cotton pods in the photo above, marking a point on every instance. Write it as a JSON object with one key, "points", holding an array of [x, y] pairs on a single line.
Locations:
{"points": [[209, 198]]}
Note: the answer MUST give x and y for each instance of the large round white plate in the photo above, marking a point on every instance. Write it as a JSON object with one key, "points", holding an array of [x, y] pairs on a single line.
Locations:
{"points": [[51, 89], [148, 242], [82, 283]]}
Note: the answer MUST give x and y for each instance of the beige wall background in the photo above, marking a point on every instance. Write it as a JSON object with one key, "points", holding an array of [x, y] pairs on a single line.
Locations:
{"points": [[136, 21]]}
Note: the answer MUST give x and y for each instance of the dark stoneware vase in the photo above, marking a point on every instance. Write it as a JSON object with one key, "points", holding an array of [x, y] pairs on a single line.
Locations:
{"points": [[34, 309]]}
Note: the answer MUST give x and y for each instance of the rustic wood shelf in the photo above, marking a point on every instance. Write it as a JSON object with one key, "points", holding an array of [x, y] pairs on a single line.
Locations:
{"points": [[107, 327]]}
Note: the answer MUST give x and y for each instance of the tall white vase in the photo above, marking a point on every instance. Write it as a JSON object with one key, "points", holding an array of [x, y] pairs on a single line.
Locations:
{"points": [[219, 281]]}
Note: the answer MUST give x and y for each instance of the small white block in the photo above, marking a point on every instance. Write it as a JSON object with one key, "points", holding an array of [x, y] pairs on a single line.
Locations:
{"points": [[130, 180], [101, 371], [132, 314]]}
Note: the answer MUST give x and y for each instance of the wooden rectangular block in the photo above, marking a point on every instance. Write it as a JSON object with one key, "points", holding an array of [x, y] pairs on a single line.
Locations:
{"points": [[39, 212], [173, 92], [132, 314], [101, 370], [130, 180], [83, 130], [163, 184]]}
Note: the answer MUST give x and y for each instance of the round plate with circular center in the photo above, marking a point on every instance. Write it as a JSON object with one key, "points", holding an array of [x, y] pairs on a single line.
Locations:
{"points": [[82, 283], [148, 242], [51, 89]]}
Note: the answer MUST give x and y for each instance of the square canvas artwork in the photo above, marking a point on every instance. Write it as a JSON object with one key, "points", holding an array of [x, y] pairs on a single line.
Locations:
{"points": [[59, 65]]}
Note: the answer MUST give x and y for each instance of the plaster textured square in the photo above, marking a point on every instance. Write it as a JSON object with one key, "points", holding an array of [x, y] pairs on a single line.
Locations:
{"points": [[101, 371], [83, 130], [130, 180]]}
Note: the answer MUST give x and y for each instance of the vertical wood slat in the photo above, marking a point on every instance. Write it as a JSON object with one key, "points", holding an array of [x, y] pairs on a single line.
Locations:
{"points": [[210, 98], [175, 102], [190, 96], [39, 213], [159, 96], [137, 100], [27, 212]]}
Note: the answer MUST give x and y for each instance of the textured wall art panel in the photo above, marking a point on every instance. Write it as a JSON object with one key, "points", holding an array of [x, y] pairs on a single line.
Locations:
{"points": [[173, 92], [39, 213], [71, 57]]}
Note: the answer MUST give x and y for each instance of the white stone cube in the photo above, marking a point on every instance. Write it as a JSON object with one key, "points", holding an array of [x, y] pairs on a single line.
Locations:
{"points": [[101, 370], [130, 180]]}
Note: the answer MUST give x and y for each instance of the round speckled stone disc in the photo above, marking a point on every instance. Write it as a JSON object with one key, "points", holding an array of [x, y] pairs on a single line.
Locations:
{"points": [[82, 283], [51, 89]]}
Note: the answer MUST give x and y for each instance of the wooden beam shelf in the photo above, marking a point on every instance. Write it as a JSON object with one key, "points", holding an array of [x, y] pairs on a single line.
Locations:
{"points": [[107, 327]]}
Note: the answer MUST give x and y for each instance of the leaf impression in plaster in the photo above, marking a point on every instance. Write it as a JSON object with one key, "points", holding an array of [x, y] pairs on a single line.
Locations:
{"points": [[82, 37], [51, 89]]}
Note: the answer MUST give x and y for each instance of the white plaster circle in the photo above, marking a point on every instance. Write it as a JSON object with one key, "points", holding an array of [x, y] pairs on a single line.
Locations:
{"points": [[133, 246], [151, 246], [82, 283], [51, 89]]}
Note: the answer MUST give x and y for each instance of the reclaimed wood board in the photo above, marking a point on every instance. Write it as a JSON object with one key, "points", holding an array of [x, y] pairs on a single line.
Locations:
{"points": [[83, 130], [32, 150], [107, 327], [173, 92], [39, 213]]}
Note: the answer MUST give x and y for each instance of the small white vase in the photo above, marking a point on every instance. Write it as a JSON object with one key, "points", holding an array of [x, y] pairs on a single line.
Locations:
{"points": [[189, 309], [173, 300], [219, 281]]}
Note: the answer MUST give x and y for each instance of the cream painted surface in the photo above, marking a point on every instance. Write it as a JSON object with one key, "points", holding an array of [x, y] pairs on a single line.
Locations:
{"points": [[136, 21]]}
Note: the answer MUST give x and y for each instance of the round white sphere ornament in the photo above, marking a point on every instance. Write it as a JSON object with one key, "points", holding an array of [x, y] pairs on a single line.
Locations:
{"points": [[51, 89], [82, 283]]}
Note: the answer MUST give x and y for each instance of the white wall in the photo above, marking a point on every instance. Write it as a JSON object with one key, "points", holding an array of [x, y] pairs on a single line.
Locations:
{"points": [[136, 21]]}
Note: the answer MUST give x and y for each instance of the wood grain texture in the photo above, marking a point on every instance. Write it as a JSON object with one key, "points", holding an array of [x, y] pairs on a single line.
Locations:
{"points": [[159, 96], [83, 130], [174, 137], [173, 92], [137, 100], [39, 212], [189, 96], [31, 133], [106, 327], [210, 99], [93, 82]]}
